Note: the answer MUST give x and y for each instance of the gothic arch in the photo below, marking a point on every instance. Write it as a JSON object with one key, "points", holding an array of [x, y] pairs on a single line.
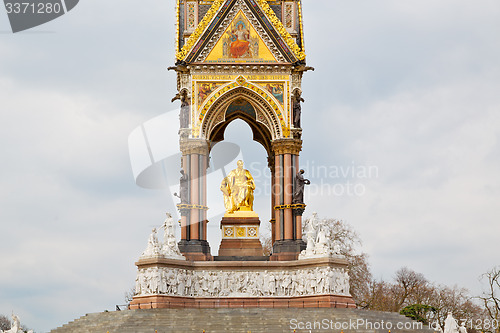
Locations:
{"points": [[267, 125]]}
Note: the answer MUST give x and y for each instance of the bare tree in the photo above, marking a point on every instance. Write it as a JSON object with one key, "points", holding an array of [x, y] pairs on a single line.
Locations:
{"points": [[491, 297], [4, 323], [408, 287], [381, 298], [454, 299], [129, 295], [360, 276]]}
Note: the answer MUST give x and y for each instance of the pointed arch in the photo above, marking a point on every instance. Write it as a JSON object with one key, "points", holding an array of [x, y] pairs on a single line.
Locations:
{"points": [[267, 125]]}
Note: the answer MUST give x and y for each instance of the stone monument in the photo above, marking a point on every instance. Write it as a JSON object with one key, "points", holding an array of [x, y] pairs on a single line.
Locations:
{"points": [[242, 59]]}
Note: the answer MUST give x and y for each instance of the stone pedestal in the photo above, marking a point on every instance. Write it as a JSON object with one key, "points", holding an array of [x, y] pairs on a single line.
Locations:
{"points": [[195, 250], [167, 283], [284, 250], [240, 235]]}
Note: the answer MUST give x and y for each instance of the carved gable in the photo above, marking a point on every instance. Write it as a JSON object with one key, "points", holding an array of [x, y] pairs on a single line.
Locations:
{"points": [[241, 31]]}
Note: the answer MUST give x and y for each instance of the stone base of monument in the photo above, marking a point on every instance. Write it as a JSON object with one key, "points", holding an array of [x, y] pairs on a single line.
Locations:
{"points": [[284, 250], [195, 250], [168, 283], [171, 302], [240, 235]]}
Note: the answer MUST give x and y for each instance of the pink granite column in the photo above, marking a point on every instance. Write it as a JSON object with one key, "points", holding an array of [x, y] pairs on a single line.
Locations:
{"points": [[195, 192], [277, 193], [273, 204], [288, 188]]}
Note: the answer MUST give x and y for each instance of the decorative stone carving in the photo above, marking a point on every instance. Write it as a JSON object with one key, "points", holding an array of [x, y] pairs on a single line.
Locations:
{"points": [[168, 249], [194, 146], [15, 326], [153, 249], [173, 281], [184, 180], [252, 93], [320, 239], [287, 146], [450, 324]]}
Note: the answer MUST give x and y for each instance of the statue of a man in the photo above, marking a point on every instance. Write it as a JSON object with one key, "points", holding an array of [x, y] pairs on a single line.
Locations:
{"points": [[300, 183], [184, 187], [297, 108], [238, 189], [185, 108]]}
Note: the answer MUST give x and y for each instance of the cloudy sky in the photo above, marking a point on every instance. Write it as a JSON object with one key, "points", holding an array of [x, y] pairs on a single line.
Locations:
{"points": [[409, 90]]}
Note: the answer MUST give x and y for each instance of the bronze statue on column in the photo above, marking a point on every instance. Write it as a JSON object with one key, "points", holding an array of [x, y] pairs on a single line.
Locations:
{"points": [[297, 108], [300, 183]]}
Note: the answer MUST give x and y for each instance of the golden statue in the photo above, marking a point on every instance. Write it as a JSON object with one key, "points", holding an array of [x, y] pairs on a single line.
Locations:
{"points": [[238, 189]]}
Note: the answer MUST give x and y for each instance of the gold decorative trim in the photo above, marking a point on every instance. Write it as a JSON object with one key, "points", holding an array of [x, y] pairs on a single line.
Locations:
{"points": [[199, 29], [241, 82], [240, 232], [280, 28], [294, 206], [275, 21], [198, 207]]}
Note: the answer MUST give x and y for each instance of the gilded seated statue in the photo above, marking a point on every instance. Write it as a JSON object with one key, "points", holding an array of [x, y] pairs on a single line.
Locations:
{"points": [[238, 189]]}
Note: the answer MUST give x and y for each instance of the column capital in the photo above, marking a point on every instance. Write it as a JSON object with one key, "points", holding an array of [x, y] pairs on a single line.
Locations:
{"points": [[287, 146], [194, 146]]}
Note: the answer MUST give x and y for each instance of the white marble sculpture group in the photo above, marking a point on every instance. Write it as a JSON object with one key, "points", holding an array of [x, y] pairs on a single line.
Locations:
{"points": [[450, 326], [319, 238], [300, 282], [172, 281], [15, 326], [169, 248]]}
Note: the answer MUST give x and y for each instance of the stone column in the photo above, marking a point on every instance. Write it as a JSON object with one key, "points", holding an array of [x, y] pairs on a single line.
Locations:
{"points": [[288, 241], [277, 193], [185, 216], [195, 196], [193, 242], [272, 167], [288, 196]]}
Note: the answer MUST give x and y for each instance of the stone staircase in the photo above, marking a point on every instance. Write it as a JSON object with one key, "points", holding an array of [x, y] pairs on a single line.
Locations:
{"points": [[242, 321]]}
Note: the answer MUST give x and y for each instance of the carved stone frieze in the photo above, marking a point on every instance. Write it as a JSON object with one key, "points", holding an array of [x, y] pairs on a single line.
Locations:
{"points": [[174, 281]]}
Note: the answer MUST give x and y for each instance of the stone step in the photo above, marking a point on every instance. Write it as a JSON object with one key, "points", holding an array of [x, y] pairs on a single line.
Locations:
{"points": [[240, 320]]}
